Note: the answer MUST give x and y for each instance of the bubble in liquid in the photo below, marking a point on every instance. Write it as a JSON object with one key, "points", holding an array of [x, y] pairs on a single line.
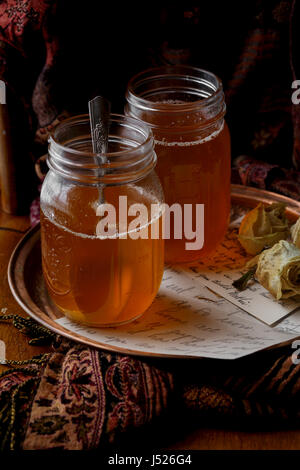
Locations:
{"points": [[159, 211], [212, 136]]}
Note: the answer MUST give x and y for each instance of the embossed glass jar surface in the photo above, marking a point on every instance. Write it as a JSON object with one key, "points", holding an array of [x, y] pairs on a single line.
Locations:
{"points": [[101, 278], [185, 108]]}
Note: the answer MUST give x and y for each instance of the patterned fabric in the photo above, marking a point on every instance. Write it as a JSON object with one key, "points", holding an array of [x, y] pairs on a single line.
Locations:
{"points": [[85, 394], [40, 47], [28, 47], [251, 172], [43, 42], [257, 59], [263, 388], [17, 390], [83, 398]]}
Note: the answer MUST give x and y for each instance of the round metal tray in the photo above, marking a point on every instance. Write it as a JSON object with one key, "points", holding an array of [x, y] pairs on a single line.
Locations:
{"points": [[27, 283]]}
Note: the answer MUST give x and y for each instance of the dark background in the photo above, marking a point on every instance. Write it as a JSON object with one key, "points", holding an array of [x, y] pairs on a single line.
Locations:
{"points": [[56, 55]]}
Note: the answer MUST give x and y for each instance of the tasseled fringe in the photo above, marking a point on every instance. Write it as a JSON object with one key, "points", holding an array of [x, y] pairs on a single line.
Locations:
{"points": [[19, 396], [39, 334]]}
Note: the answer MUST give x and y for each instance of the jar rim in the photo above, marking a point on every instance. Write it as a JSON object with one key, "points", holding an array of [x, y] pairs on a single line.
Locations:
{"points": [[184, 71], [136, 159], [84, 118]]}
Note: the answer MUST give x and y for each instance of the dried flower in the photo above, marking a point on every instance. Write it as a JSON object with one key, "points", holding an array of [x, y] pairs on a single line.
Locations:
{"points": [[295, 233], [263, 226], [242, 282], [278, 270]]}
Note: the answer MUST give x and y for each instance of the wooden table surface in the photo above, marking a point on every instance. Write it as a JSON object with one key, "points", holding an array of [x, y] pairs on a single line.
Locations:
{"points": [[210, 438]]}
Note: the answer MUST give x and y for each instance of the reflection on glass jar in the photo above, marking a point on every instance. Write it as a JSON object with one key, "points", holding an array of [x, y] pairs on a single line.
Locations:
{"points": [[185, 108], [108, 276]]}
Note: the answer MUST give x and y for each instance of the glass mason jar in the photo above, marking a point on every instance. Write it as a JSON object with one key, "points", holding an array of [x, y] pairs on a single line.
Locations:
{"points": [[101, 265], [185, 108]]}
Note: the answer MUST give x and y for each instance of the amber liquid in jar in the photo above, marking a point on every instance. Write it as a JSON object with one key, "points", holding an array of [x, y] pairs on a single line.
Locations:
{"points": [[184, 106], [196, 172], [95, 280]]}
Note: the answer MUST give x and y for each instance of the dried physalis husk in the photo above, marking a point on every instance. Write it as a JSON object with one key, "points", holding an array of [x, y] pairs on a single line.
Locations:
{"points": [[295, 233], [278, 270], [263, 227]]}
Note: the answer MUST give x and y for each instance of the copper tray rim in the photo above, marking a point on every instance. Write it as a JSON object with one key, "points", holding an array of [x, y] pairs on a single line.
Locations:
{"points": [[240, 192]]}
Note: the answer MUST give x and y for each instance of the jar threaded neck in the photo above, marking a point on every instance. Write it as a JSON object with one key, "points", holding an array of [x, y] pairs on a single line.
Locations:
{"points": [[130, 154]]}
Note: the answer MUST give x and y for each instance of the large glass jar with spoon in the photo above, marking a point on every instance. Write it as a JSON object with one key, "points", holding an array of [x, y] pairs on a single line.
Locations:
{"points": [[102, 246]]}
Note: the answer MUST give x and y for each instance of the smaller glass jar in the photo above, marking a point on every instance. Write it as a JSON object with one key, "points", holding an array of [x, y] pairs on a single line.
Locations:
{"points": [[185, 108], [102, 246]]}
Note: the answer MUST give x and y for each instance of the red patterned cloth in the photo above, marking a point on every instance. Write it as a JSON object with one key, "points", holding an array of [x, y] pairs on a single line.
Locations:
{"points": [[82, 398], [85, 397], [28, 49], [251, 172]]}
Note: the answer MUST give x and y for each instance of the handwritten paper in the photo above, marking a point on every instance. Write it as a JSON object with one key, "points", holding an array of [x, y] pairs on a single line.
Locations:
{"points": [[188, 320], [291, 324], [197, 313], [228, 264]]}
